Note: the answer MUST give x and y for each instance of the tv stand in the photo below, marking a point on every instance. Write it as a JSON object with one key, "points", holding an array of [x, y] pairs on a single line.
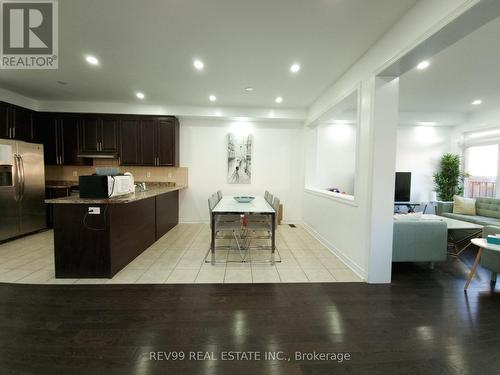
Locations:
{"points": [[409, 205]]}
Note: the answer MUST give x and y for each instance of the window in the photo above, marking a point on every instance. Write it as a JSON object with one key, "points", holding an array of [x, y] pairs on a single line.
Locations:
{"points": [[481, 163]]}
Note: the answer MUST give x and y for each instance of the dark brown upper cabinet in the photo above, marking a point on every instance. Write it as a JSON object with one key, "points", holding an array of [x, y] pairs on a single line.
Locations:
{"points": [[4, 121], [130, 134], [59, 135], [98, 136], [167, 142], [150, 141], [16, 123]]}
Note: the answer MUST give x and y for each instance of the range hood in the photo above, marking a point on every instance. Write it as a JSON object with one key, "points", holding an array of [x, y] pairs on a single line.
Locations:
{"points": [[98, 155]]}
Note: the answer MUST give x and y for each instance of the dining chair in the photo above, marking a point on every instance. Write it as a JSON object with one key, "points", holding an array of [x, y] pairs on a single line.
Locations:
{"points": [[255, 225], [224, 224], [219, 194], [270, 198], [266, 195]]}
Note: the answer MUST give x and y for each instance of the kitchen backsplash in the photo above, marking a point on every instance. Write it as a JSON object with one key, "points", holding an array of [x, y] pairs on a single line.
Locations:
{"points": [[146, 174]]}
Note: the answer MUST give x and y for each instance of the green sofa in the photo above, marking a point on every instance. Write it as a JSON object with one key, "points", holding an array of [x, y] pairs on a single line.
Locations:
{"points": [[487, 212], [419, 241], [491, 259]]}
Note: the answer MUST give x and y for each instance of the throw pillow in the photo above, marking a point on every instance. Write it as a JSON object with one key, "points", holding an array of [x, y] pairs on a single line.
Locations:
{"points": [[464, 206]]}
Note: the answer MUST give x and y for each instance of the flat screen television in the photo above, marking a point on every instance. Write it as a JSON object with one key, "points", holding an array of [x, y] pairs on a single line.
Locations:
{"points": [[403, 187]]}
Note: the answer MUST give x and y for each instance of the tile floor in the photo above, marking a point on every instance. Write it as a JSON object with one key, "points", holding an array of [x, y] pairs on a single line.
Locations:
{"points": [[178, 258]]}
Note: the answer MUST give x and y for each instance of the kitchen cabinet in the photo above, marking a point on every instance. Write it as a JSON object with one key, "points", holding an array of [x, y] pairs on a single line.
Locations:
{"points": [[99, 136], [167, 140], [125, 231], [77, 138], [4, 121], [16, 123], [52, 192], [130, 134], [59, 135], [149, 142]]}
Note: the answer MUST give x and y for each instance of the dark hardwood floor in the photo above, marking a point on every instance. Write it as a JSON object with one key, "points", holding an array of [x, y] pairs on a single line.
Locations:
{"points": [[421, 324]]}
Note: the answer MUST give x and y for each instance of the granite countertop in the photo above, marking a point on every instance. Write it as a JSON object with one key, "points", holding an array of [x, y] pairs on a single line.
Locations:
{"points": [[150, 193]]}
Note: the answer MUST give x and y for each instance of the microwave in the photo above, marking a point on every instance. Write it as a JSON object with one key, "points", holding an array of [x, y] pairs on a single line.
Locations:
{"points": [[103, 187]]}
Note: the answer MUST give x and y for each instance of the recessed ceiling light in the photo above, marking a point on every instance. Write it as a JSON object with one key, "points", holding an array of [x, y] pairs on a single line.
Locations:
{"points": [[92, 60], [140, 95], [212, 98], [249, 89], [295, 68], [423, 65], [477, 102], [427, 123], [278, 99], [198, 64]]}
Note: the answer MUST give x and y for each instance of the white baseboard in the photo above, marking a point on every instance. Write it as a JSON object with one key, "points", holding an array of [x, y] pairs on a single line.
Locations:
{"points": [[192, 221], [344, 258], [198, 221]]}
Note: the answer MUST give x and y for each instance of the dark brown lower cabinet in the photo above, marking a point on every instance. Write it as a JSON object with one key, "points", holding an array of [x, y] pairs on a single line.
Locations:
{"points": [[52, 193], [99, 246], [167, 212]]}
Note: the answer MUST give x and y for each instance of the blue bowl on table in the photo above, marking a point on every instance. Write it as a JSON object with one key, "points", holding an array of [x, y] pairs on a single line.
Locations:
{"points": [[244, 199]]}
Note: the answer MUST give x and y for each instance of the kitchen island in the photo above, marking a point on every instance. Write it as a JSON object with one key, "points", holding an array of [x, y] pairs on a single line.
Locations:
{"points": [[96, 238]]}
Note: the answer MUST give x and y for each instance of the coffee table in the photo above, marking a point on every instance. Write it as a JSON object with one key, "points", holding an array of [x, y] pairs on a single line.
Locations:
{"points": [[454, 228], [482, 244]]}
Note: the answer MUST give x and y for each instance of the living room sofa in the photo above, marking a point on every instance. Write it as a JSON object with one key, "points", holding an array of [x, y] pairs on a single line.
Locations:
{"points": [[419, 241], [487, 212]]}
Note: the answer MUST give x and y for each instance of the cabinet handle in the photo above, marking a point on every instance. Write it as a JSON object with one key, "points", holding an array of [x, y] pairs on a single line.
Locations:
{"points": [[14, 131]]}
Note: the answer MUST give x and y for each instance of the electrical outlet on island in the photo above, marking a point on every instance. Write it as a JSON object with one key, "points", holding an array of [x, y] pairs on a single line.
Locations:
{"points": [[75, 173]]}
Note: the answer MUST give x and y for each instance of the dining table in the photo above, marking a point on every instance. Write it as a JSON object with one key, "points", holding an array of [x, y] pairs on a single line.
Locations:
{"points": [[228, 205]]}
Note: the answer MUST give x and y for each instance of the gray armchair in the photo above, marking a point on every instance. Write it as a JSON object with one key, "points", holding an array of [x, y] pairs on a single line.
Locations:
{"points": [[419, 241]]}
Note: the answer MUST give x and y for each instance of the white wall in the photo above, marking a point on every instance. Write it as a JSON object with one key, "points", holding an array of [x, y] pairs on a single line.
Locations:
{"points": [[17, 99], [419, 149], [336, 157], [277, 164], [346, 227], [476, 121]]}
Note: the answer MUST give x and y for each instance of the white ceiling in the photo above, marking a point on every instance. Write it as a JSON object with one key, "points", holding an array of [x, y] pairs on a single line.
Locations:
{"points": [[465, 71], [149, 46]]}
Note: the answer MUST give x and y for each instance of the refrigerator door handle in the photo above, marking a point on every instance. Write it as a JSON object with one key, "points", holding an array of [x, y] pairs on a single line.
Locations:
{"points": [[21, 165], [17, 182]]}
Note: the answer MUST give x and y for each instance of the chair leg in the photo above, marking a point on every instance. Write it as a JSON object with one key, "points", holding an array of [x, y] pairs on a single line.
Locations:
{"points": [[493, 280]]}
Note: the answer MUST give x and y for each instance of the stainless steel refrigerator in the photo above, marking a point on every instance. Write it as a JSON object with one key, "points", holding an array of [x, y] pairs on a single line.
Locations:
{"points": [[22, 188]]}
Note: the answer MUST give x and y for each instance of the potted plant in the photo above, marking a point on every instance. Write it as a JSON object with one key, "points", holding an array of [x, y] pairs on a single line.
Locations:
{"points": [[449, 180]]}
